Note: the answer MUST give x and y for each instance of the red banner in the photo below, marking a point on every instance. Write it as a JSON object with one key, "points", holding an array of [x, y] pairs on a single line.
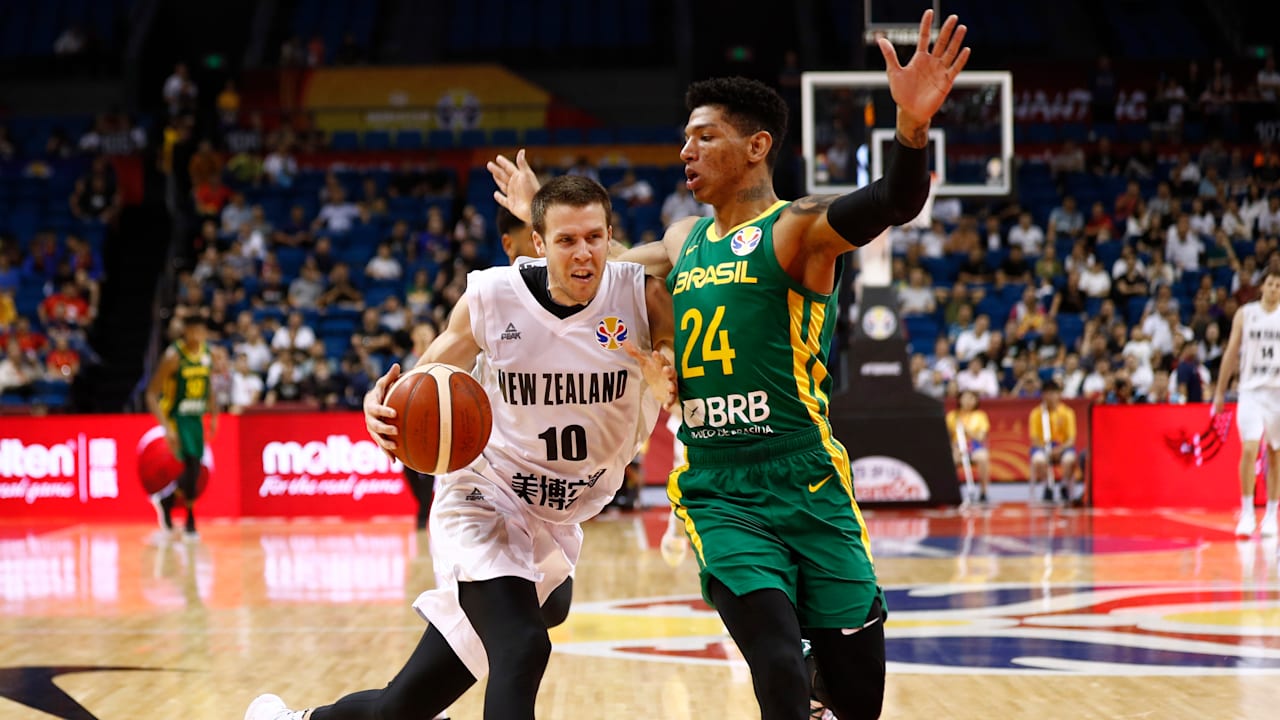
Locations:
{"points": [[1165, 456], [93, 467], [99, 466], [317, 464], [1010, 440]]}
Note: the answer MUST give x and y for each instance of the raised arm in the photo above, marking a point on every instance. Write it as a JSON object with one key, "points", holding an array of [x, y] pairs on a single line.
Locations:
{"points": [[832, 225]]}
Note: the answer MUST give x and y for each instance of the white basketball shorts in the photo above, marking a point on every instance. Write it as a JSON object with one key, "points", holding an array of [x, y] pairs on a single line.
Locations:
{"points": [[1258, 411], [481, 530]]}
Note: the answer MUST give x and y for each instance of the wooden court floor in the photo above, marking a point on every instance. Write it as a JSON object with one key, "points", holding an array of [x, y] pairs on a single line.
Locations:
{"points": [[1003, 613]]}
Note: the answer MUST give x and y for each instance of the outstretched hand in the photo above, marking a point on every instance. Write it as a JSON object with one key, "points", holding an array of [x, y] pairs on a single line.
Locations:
{"points": [[659, 374], [920, 87], [516, 182]]}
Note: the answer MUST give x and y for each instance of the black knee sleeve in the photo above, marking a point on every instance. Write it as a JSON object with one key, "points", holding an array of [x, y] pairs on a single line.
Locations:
{"points": [[556, 609], [851, 668]]}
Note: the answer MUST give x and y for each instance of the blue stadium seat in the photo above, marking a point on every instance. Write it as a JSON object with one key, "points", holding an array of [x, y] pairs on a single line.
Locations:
{"points": [[344, 140], [472, 138], [568, 136], [335, 346], [409, 140], [1133, 311], [601, 136], [505, 137], [439, 139], [535, 137], [1070, 329], [377, 140]]}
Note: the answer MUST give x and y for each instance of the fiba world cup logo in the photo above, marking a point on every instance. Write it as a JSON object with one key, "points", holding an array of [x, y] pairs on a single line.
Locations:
{"points": [[878, 322], [611, 333], [745, 240]]}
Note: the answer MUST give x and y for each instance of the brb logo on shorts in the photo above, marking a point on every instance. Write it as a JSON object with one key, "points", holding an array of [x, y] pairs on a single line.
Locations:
{"points": [[611, 333], [745, 240]]}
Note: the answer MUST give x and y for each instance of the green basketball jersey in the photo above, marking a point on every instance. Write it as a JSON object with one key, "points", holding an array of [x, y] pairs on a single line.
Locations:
{"points": [[751, 343], [188, 391]]}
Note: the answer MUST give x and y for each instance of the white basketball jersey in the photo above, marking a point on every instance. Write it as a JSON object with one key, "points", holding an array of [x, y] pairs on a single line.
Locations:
{"points": [[1260, 348], [570, 406]]}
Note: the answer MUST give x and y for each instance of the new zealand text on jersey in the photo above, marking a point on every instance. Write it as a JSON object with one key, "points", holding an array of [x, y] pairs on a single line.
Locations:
{"points": [[522, 388]]}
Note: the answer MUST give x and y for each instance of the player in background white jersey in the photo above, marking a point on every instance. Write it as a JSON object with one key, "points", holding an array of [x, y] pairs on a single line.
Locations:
{"points": [[571, 407], [1254, 348]]}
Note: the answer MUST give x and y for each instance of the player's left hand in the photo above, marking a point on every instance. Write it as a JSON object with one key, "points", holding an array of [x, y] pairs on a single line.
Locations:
{"points": [[516, 182], [920, 87], [659, 374]]}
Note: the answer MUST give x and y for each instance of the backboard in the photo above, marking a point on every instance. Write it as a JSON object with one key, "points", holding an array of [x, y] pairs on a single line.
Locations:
{"points": [[849, 122]]}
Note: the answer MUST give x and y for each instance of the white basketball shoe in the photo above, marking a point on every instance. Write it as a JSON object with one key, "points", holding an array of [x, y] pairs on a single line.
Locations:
{"points": [[271, 707]]}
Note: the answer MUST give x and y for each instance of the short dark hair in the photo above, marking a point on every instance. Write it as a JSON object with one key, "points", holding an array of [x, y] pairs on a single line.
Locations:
{"points": [[749, 105], [1272, 271], [1049, 386], [508, 222], [572, 190]]}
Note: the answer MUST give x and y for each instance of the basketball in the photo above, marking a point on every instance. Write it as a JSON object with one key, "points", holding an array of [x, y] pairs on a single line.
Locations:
{"points": [[443, 418], [157, 467]]}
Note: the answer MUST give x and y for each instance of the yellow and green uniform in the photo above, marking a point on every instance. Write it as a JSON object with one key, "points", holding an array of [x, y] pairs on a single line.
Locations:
{"points": [[766, 496], [186, 399]]}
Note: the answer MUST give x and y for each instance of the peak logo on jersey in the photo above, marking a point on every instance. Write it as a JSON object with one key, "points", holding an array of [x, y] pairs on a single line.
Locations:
{"points": [[611, 332], [511, 333], [745, 240]]}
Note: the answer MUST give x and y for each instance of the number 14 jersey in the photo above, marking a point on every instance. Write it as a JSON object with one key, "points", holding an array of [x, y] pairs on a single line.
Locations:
{"points": [[751, 343]]}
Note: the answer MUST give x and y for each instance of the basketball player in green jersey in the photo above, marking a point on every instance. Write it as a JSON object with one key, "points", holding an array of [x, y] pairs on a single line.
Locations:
{"points": [[179, 395], [766, 497]]}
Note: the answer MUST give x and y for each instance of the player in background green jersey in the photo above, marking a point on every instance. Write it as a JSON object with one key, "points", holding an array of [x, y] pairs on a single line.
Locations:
{"points": [[179, 395], [766, 497]]}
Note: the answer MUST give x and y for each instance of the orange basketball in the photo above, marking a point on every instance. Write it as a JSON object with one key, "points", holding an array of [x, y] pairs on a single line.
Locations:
{"points": [[443, 417]]}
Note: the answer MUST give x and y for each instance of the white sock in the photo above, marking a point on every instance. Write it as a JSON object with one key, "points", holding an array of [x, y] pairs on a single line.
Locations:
{"points": [[1246, 503], [1271, 508]]}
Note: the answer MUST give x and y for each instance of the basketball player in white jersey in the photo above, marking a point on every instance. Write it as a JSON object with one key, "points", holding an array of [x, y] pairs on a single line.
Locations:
{"points": [[570, 409], [1255, 348]]}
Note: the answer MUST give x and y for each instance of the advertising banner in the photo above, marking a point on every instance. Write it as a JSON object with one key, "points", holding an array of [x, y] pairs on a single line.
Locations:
{"points": [[312, 464], [94, 467], [103, 467], [454, 97], [1173, 456], [1009, 443]]}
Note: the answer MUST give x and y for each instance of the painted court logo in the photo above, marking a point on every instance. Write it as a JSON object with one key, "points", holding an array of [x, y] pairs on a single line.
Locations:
{"points": [[611, 333], [745, 240], [997, 628]]}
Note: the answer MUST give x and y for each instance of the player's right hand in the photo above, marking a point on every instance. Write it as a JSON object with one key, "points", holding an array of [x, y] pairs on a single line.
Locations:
{"points": [[376, 413], [1216, 409], [517, 183]]}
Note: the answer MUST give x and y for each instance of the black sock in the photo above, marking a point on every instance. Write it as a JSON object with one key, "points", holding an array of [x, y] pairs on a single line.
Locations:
{"points": [[166, 508]]}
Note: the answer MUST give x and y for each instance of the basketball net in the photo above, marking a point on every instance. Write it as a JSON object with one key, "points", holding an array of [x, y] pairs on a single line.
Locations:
{"points": [[877, 256]]}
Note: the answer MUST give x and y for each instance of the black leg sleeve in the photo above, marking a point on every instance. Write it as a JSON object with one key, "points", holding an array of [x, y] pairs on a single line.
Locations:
{"points": [[505, 614], [764, 626], [431, 680], [556, 609], [851, 667]]}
